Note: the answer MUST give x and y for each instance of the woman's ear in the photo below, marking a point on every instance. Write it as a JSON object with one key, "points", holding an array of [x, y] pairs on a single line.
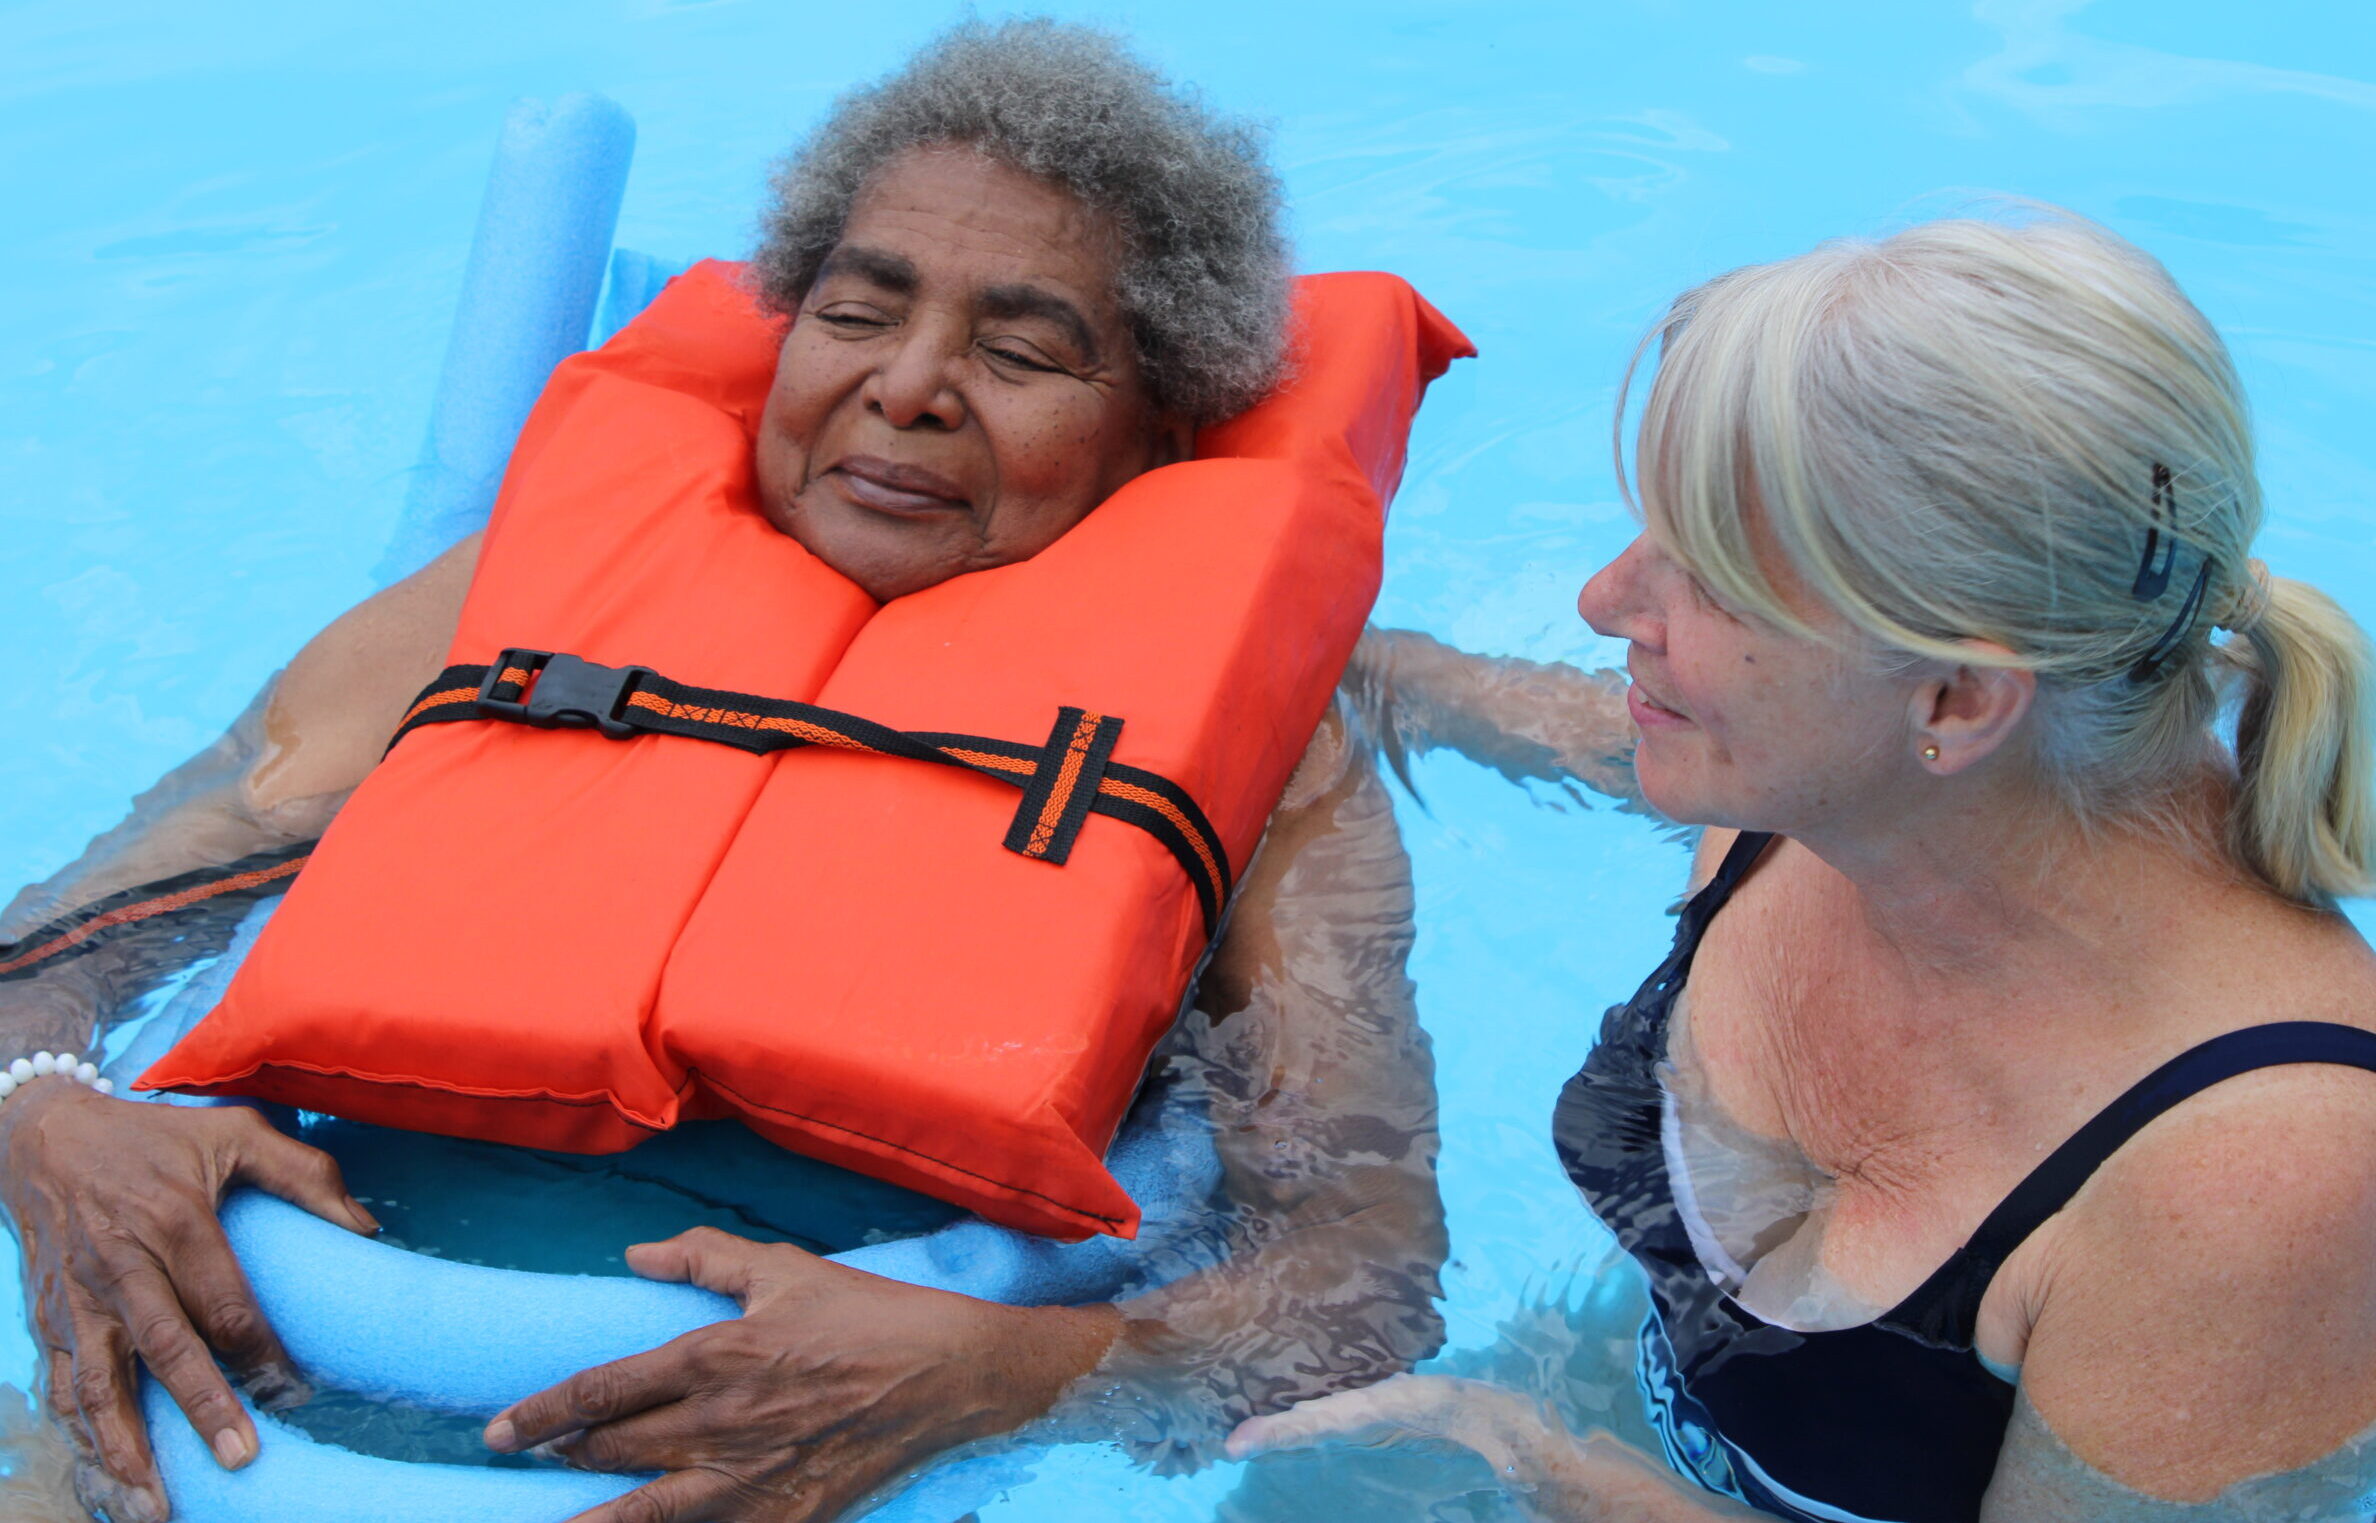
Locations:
{"points": [[1961, 714]]}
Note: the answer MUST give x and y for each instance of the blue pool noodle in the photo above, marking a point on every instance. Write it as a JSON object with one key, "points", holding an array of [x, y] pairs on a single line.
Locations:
{"points": [[536, 266]]}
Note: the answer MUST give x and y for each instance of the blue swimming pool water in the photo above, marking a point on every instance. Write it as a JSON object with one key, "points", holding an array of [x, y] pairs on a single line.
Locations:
{"points": [[230, 236]]}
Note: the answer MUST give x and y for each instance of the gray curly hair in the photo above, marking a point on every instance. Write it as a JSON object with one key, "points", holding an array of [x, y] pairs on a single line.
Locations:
{"points": [[1204, 279]]}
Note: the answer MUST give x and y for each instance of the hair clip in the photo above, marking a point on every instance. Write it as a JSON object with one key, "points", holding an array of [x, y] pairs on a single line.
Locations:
{"points": [[2153, 579]]}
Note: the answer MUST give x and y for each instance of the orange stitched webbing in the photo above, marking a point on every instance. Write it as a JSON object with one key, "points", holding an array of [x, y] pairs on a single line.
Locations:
{"points": [[516, 676], [146, 908], [816, 735], [438, 701], [1163, 806], [1076, 751], [992, 760]]}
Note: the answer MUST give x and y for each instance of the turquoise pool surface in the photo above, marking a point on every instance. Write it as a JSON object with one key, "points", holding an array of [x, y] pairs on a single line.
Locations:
{"points": [[232, 234]]}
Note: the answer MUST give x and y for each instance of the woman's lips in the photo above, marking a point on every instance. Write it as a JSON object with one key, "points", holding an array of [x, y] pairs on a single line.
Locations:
{"points": [[1648, 715], [888, 487]]}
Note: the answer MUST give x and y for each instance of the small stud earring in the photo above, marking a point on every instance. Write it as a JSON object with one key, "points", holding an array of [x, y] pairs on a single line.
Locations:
{"points": [[1930, 753]]}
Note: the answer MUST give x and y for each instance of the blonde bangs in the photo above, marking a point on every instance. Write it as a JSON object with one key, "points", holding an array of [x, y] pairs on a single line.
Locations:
{"points": [[1690, 480], [1726, 447]]}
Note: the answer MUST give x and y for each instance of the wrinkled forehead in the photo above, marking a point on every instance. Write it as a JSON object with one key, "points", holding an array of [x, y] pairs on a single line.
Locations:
{"points": [[895, 274], [960, 217]]}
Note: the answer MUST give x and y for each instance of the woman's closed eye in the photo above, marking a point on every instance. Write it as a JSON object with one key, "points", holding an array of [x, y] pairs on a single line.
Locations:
{"points": [[1021, 354], [852, 317]]}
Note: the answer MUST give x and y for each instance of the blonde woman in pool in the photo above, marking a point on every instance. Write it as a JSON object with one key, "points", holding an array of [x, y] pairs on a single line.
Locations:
{"points": [[2000, 1138]]}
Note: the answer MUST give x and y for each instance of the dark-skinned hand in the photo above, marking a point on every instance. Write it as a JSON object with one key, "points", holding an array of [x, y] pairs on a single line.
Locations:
{"points": [[831, 1382], [115, 1205]]}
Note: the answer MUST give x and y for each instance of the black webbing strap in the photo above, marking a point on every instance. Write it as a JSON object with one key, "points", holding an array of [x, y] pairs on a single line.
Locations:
{"points": [[1064, 785], [1069, 777], [89, 927]]}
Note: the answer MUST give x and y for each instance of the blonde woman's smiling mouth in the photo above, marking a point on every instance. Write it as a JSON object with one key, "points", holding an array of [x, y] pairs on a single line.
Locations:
{"points": [[1647, 712]]}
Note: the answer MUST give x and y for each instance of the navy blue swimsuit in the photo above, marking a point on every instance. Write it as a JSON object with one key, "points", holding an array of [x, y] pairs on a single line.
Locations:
{"points": [[1895, 1421]]}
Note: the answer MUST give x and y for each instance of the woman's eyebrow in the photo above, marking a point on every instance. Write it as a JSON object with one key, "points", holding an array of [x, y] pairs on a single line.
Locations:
{"points": [[875, 266], [1019, 300]]}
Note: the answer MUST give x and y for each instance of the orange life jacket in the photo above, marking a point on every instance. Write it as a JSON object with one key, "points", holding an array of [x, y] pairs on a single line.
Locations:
{"points": [[567, 940]]}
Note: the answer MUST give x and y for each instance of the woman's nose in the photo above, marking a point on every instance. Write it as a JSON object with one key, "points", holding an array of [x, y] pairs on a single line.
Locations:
{"points": [[914, 386], [1613, 602]]}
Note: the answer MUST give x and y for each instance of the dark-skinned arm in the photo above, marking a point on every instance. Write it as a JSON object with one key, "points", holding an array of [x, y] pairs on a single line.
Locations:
{"points": [[1540, 721], [114, 1203], [1322, 1274]]}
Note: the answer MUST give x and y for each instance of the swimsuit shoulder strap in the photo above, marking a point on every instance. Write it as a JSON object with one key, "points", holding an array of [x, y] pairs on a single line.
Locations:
{"points": [[1946, 1308], [1701, 908], [1646, 1013]]}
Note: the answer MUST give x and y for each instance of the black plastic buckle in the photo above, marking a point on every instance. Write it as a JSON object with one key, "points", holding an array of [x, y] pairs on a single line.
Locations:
{"points": [[564, 692]]}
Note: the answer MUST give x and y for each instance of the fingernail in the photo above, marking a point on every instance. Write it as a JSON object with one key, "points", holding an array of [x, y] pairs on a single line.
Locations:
{"points": [[233, 1448], [145, 1506], [363, 1218], [502, 1437]]}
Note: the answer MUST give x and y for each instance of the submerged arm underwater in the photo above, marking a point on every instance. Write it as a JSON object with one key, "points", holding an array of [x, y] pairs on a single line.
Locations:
{"points": [[1305, 1035], [280, 772], [1530, 721], [1320, 1271], [1562, 1477]]}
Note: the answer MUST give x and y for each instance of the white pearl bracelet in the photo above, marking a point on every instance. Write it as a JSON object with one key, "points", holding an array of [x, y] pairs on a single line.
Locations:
{"points": [[46, 1065]]}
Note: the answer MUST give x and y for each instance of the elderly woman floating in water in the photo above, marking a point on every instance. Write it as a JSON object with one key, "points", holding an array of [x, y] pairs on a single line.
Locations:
{"points": [[1999, 1138], [1013, 278]]}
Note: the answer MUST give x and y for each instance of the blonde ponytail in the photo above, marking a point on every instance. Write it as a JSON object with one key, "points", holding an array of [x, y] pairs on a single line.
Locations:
{"points": [[2303, 817]]}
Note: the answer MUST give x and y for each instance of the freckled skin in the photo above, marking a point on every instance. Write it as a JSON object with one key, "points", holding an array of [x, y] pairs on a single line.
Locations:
{"points": [[1028, 425]]}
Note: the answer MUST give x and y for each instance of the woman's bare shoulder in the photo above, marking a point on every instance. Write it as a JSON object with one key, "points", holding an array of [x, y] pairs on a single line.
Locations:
{"points": [[334, 707], [2206, 1311]]}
